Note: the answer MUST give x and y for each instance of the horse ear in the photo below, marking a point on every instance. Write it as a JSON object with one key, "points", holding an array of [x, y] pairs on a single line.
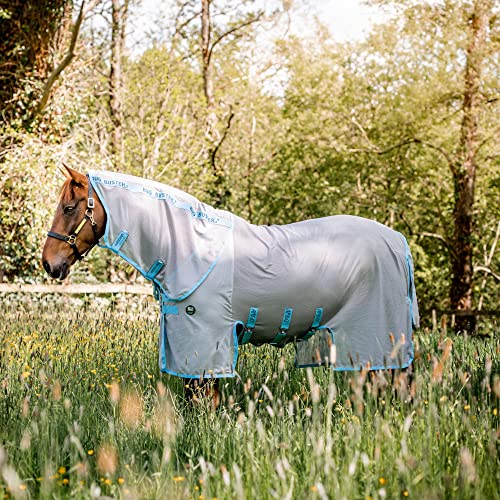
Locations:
{"points": [[73, 174], [64, 171]]}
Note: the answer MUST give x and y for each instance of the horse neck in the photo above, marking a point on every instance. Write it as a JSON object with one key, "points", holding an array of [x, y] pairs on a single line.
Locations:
{"points": [[137, 216]]}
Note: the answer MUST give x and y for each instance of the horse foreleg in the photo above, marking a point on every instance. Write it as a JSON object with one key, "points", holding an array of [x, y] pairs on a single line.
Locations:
{"points": [[197, 390]]}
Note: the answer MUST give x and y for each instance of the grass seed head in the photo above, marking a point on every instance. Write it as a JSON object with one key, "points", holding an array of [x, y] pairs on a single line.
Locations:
{"points": [[114, 393], [131, 409], [467, 466], [56, 390], [107, 459]]}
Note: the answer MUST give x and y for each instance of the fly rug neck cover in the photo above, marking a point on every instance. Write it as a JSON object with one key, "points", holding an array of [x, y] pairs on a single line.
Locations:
{"points": [[340, 287]]}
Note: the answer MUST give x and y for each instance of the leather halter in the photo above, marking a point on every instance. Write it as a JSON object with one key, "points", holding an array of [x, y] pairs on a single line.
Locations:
{"points": [[89, 216]]}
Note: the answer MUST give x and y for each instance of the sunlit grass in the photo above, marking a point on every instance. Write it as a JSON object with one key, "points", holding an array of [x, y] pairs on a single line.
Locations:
{"points": [[84, 412]]}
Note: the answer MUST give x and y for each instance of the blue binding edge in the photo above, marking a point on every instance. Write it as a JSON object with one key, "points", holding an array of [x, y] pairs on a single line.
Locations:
{"points": [[315, 365], [118, 252], [352, 368], [203, 375], [410, 324], [409, 299]]}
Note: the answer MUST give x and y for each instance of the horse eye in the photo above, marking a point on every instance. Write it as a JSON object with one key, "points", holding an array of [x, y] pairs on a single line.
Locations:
{"points": [[68, 209]]}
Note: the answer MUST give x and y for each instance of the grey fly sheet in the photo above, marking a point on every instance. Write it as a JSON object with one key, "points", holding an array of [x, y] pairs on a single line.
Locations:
{"points": [[341, 288]]}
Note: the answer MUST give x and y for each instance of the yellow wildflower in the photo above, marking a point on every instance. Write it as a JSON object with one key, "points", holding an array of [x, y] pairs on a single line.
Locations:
{"points": [[121, 480], [90, 452], [178, 479], [467, 407], [61, 470], [381, 481]]}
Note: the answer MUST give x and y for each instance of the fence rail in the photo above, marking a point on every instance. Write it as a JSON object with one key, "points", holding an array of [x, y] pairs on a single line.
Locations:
{"points": [[82, 288], [110, 288]]}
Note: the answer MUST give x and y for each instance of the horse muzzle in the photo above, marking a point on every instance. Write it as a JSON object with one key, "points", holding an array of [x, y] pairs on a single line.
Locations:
{"points": [[57, 271]]}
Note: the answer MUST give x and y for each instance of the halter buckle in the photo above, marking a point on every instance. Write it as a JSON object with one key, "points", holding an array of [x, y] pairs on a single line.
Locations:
{"points": [[90, 203], [72, 239], [90, 215]]}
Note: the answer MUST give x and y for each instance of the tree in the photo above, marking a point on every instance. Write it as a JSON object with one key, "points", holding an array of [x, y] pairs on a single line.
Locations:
{"points": [[29, 33], [464, 169], [382, 123], [119, 13]]}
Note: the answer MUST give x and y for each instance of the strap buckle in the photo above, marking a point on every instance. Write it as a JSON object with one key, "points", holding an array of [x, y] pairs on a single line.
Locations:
{"points": [[71, 239]]}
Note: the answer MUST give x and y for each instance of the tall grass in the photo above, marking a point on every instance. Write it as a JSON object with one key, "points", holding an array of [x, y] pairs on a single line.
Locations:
{"points": [[85, 413]]}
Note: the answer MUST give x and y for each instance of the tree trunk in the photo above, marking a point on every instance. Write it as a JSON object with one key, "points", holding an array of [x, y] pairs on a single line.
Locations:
{"points": [[118, 22], [461, 291], [208, 84], [28, 32], [218, 192]]}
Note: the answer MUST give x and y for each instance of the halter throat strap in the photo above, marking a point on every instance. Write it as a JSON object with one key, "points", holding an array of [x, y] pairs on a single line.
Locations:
{"points": [[89, 216]]}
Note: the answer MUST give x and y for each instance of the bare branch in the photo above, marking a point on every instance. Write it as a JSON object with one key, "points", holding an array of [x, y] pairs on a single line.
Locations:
{"points": [[224, 135], [64, 63], [440, 237], [487, 270], [91, 6], [406, 142], [233, 30]]}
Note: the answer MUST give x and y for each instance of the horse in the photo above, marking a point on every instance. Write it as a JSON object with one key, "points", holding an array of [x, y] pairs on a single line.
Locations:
{"points": [[340, 288]]}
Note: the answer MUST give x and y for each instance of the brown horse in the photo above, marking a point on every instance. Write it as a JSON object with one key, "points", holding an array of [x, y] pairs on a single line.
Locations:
{"points": [[79, 223]]}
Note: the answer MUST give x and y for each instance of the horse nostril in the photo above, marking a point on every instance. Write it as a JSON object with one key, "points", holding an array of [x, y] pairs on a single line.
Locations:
{"points": [[46, 266]]}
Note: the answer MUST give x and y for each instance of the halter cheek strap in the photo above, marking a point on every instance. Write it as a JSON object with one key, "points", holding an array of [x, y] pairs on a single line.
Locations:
{"points": [[89, 216]]}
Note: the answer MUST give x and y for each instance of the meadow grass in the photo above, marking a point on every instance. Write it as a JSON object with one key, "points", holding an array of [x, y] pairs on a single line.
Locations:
{"points": [[84, 412]]}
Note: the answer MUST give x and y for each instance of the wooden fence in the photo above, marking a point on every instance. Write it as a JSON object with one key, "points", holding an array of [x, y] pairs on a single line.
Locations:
{"points": [[124, 288], [82, 288]]}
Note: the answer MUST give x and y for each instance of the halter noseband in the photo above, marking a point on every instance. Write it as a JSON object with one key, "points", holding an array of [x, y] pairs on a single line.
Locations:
{"points": [[89, 216]]}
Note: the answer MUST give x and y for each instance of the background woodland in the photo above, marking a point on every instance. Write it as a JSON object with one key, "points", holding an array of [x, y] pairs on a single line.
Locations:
{"points": [[255, 109]]}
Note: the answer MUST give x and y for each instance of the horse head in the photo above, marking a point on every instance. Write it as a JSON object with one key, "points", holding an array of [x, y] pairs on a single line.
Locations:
{"points": [[79, 223]]}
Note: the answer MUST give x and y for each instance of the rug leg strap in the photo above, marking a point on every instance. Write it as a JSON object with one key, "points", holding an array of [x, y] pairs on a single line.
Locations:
{"points": [[280, 338], [315, 325], [250, 325]]}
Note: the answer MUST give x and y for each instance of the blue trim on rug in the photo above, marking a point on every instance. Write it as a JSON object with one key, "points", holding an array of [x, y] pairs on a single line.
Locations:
{"points": [[134, 264], [159, 195], [352, 368], [210, 375]]}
